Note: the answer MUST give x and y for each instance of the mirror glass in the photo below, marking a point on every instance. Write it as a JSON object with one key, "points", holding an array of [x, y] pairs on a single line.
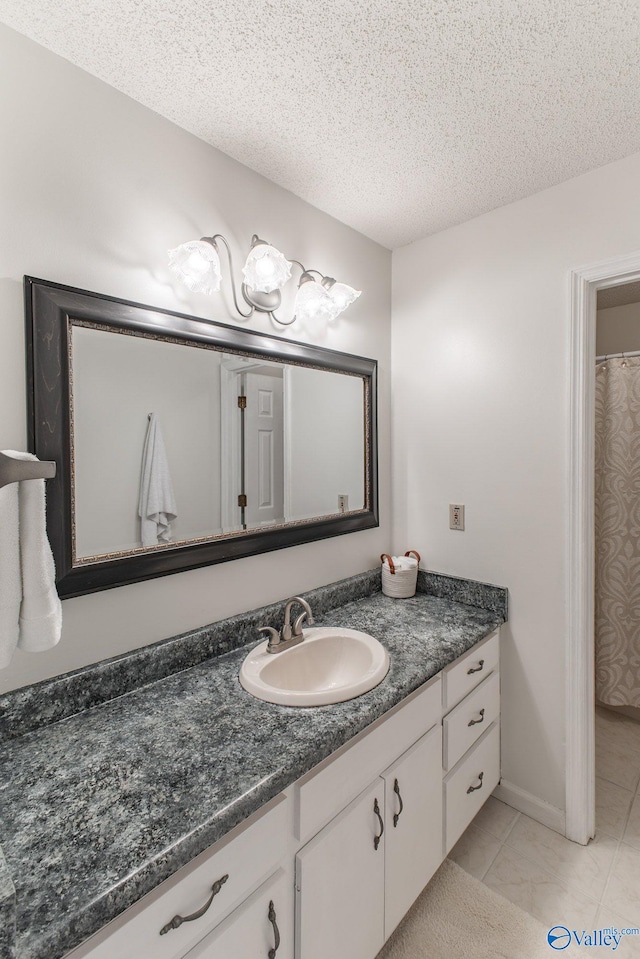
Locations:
{"points": [[218, 441]]}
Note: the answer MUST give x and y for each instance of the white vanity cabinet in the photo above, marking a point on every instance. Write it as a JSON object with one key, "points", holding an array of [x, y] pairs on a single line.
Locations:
{"points": [[360, 874], [358, 877]]}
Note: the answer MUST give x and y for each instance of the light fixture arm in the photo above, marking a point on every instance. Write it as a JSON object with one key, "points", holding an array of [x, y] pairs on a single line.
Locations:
{"points": [[305, 275], [317, 272], [301, 265], [273, 316], [213, 240], [269, 302]]}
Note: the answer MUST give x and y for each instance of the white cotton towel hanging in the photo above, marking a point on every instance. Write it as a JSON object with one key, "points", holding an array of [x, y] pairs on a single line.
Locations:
{"points": [[156, 506], [30, 610], [10, 578]]}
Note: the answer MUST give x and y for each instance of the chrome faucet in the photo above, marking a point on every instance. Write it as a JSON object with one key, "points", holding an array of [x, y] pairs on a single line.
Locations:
{"points": [[289, 635]]}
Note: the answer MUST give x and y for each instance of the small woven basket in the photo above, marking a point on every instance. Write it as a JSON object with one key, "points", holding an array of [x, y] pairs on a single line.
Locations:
{"points": [[399, 583]]}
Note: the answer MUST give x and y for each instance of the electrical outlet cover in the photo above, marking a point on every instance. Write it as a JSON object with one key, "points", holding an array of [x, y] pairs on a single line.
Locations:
{"points": [[456, 516]]}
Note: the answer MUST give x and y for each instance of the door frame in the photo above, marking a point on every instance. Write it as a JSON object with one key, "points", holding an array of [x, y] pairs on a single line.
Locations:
{"points": [[230, 479], [580, 669]]}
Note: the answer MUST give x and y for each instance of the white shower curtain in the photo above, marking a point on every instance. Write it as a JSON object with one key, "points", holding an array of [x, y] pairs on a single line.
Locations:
{"points": [[617, 530]]}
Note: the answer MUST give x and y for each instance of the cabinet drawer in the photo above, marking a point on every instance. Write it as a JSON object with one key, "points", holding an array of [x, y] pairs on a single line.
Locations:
{"points": [[247, 856], [460, 677], [250, 931], [469, 719], [470, 783], [327, 789]]}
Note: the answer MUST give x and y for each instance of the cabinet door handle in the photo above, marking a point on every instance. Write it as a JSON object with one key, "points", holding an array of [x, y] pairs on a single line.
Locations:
{"points": [[396, 816], [376, 810], [177, 921], [477, 669], [474, 722], [472, 789], [276, 931]]}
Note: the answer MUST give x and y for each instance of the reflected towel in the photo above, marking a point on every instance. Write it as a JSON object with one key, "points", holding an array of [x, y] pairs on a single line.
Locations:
{"points": [[30, 610], [156, 505]]}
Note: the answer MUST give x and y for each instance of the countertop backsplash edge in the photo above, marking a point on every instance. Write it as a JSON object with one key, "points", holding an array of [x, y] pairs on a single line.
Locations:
{"points": [[470, 592], [52, 700]]}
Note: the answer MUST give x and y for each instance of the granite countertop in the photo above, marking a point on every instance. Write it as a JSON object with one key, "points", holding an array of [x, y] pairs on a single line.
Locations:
{"points": [[100, 807]]}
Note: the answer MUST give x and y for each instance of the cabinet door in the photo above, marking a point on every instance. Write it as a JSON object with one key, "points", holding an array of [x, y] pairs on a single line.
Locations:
{"points": [[340, 884], [413, 801], [264, 922]]}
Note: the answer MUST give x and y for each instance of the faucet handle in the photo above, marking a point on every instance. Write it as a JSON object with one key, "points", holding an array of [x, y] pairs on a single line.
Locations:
{"points": [[274, 635]]}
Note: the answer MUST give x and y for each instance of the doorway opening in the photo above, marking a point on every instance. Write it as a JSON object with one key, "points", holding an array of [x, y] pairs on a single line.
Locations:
{"points": [[587, 283]]}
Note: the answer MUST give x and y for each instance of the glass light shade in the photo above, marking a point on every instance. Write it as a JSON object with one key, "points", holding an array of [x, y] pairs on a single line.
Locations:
{"points": [[313, 302], [341, 297], [266, 269], [197, 264]]}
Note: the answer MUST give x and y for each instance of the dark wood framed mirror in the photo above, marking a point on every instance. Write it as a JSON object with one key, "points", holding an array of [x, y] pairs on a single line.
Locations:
{"points": [[258, 442]]}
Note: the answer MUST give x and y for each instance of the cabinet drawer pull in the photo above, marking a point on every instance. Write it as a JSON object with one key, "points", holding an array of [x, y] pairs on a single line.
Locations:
{"points": [[396, 816], [376, 810], [276, 931], [477, 669], [472, 789], [474, 722], [177, 921]]}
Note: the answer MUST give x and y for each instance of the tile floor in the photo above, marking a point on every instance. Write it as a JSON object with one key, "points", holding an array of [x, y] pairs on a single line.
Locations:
{"points": [[561, 882]]}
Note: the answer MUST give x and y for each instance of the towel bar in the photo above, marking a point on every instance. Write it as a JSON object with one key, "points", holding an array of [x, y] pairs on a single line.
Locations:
{"points": [[14, 471]]}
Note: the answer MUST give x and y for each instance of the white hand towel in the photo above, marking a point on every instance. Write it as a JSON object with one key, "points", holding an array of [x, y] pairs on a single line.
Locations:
{"points": [[156, 505], [10, 578], [30, 573]]}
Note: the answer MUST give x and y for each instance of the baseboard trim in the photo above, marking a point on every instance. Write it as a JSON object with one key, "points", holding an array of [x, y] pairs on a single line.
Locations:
{"points": [[543, 812]]}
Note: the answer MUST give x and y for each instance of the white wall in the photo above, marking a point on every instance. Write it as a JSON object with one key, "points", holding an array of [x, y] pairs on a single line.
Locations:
{"points": [[325, 427], [618, 329], [117, 381], [480, 350], [95, 188]]}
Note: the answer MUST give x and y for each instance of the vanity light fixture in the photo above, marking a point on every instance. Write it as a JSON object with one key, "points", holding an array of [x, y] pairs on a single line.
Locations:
{"points": [[266, 270]]}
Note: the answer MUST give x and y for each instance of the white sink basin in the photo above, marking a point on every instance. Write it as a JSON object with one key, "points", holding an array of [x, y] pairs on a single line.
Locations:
{"points": [[329, 666]]}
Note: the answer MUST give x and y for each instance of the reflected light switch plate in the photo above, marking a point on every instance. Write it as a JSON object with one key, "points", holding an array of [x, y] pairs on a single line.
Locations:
{"points": [[343, 503]]}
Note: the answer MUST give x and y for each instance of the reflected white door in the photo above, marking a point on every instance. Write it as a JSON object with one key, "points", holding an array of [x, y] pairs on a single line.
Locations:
{"points": [[264, 450]]}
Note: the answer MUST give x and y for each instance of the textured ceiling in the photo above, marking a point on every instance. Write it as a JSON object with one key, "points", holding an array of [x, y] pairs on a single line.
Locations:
{"points": [[619, 295], [398, 117]]}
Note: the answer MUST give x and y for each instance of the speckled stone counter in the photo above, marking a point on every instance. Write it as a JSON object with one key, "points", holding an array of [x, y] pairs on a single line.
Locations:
{"points": [[99, 808], [7, 912]]}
